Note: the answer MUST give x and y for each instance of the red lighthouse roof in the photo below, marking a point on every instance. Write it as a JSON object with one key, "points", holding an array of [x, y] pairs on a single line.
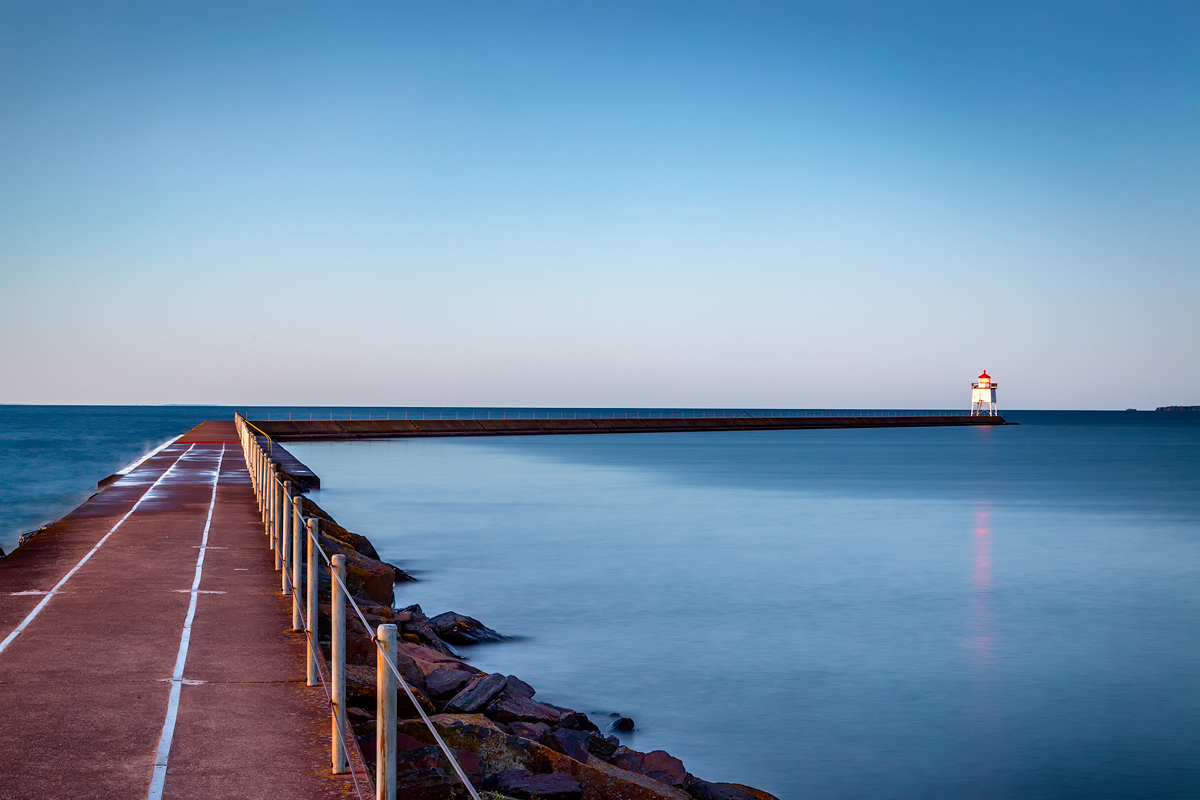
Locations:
{"points": [[985, 376]]}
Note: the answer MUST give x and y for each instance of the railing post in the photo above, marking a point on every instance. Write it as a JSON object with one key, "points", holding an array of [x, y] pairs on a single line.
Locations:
{"points": [[277, 516], [337, 658], [297, 562], [385, 714], [285, 538], [262, 497], [269, 477], [310, 589]]}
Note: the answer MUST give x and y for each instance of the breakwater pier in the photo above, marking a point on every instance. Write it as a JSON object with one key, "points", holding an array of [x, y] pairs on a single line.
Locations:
{"points": [[566, 423], [159, 641]]}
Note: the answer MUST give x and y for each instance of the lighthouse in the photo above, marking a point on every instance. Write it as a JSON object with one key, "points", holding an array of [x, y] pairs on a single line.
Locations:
{"points": [[983, 396]]}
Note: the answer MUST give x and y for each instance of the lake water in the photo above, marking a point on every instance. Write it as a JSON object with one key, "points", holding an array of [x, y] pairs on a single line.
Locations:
{"points": [[985, 613]]}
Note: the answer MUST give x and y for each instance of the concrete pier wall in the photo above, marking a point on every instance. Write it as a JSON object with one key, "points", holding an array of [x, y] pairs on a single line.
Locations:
{"points": [[325, 430]]}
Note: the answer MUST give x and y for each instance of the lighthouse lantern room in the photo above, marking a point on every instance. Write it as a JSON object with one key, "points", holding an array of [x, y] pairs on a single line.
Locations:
{"points": [[983, 396]]}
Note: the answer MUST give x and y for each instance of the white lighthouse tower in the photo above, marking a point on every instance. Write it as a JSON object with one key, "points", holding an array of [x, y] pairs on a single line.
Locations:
{"points": [[983, 396]]}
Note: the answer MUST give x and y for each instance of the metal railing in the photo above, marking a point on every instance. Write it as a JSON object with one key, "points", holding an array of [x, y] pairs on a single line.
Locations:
{"points": [[286, 527], [602, 413]]}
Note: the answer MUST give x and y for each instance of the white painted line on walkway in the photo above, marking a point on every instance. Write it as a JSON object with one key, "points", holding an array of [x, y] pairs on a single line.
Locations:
{"points": [[177, 680], [38, 608]]}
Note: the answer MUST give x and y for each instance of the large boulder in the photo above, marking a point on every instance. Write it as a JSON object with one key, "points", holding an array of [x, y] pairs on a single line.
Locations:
{"points": [[657, 764], [521, 783], [472, 765], [418, 627], [461, 629], [501, 750], [604, 747], [366, 577], [521, 709], [703, 790], [476, 695], [528, 730], [361, 685], [420, 776], [429, 659], [515, 687], [330, 528], [576, 721], [445, 682], [568, 742]]}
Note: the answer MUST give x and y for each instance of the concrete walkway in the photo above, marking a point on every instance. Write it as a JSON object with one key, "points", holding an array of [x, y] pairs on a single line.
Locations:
{"points": [[87, 696]]}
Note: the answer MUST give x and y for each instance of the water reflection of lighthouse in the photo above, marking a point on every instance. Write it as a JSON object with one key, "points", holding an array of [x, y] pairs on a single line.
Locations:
{"points": [[982, 641]]}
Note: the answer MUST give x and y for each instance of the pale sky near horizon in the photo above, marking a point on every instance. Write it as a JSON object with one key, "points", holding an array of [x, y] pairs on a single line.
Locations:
{"points": [[736, 204]]}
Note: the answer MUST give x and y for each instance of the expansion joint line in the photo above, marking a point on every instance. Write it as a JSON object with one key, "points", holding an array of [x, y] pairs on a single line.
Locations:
{"points": [[168, 730], [38, 608]]}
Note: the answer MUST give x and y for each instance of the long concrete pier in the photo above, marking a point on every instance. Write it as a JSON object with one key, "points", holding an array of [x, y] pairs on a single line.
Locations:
{"points": [[324, 430], [145, 648]]}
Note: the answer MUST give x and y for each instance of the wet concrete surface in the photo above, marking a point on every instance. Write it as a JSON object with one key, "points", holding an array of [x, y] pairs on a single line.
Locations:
{"points": [[84, 688]]}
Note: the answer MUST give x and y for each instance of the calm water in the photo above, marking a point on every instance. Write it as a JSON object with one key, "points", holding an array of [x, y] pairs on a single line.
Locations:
{"points": [[986, 613]]}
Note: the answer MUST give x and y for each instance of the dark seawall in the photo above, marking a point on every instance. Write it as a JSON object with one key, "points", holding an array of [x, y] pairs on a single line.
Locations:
{"points": [[325, 430]]}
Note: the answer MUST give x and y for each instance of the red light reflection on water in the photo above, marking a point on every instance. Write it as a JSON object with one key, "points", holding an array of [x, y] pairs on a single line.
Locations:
{"points": [[984, 731], [982, 640]]}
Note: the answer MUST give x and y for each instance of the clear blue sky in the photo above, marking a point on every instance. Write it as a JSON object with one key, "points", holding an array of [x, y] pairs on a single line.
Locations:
{"points": [[847, 204]]}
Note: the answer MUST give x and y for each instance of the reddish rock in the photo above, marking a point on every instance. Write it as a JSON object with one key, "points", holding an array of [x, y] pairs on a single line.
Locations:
{"points": [[602, 746], [528, 730], [657, 764], [446, 682], [703, 790], [522, 783], [406, 742], [477, 694], [329, 527], [366, 577], [419, 775], [429, 659], [410, 670], [568, 742], [461, 629], [416, 610], [521, 709], [427, 636], [515, 687], [576, 721], [501, 750], [471, 764], [360, 692]]}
